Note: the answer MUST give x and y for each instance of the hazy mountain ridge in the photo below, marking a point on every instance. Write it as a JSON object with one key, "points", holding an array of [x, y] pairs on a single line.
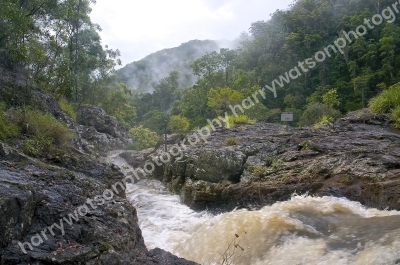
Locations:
{"points": [[145, 73]]}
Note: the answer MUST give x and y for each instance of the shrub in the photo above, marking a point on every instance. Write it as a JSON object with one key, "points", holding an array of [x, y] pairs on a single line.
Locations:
{"points": [[240, 119], [143, 138], [324, 119], [67, 108], [45, 134], [36, 145], [7, 129], [315, 112], [178, 124], [231, 141], [388, 102], [396, 116], [39, 124], [257, 112]]}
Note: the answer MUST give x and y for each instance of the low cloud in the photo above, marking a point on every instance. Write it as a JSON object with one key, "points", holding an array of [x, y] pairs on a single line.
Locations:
{"points": [[138, 28]]}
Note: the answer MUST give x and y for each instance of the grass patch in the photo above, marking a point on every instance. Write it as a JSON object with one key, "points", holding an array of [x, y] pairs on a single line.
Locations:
{"points": [[388, 102], [396, 116], [8, 128], [39, 124], [45, 134], [231, 141], [274, 161], [36, 145], [240, 119], [323, 120], [67, 108], [42, 134], [257, 171]]}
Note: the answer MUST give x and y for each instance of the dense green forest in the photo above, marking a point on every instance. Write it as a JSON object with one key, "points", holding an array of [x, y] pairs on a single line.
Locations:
{"points": [[53, 45], [337, 85]]}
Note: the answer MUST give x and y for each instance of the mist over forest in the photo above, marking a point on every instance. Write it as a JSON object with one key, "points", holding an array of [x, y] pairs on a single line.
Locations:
{"points": [[144, 74]]}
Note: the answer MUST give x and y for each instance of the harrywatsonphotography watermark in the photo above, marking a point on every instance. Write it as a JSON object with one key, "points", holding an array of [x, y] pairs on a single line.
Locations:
{"points": [[388, 14], [201, 136]]}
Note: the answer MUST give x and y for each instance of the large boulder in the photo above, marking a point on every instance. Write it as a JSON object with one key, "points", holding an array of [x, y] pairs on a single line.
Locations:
{"points": [[97, 118], [96, 132], [215, 165]]}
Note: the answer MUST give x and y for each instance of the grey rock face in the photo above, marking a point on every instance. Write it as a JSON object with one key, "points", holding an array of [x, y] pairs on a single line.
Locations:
{"points": [[357, 157], [95, 130], [34, 196]]}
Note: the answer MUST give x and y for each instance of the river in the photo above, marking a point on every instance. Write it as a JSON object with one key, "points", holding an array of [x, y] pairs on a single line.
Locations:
{"points": [[303, 230]]}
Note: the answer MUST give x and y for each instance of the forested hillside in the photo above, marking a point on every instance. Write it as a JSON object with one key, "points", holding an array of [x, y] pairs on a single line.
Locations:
{"points": [[144, 74], [316, 56], [54, 46]]}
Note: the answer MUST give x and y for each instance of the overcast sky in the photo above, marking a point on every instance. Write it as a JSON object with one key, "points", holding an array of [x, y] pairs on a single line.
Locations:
{"points": [[139, 28]]}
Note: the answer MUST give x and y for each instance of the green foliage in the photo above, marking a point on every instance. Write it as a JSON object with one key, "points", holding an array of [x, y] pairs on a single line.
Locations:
{"points": [[178, 124], [231, 141], [240, 119], [386, 101], [45, 133], [119, 103], [8, 128], [323, 120], [274, 161], [396, 116], [143, 138], [57, 47], [258, 112], [330, 98], [37, 145], [67, 108], [257, 171], [155, 121], [304, 146], [315, 112], [221, 99]]}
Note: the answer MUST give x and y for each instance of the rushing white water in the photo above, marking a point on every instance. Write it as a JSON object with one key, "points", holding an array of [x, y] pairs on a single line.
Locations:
{"points": [[303, 230], [164, 221]]}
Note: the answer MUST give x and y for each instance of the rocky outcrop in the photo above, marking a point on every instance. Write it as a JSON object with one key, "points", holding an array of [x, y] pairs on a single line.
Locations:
{"points": [[38, 199], [358, 157], [96, 132]]}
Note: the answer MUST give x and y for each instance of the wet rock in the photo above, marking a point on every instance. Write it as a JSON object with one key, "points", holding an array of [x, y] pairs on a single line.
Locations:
{"points": [[216, 165], [34, 196], [163, 257], [358, 158], [96, 132], [136, 158]]}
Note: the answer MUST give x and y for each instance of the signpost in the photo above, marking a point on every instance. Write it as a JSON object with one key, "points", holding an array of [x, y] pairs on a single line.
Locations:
{"points": [[287, 117]]}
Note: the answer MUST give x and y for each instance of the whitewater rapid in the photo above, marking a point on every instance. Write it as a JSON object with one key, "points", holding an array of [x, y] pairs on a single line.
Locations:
{"points": [[303, 230]]}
